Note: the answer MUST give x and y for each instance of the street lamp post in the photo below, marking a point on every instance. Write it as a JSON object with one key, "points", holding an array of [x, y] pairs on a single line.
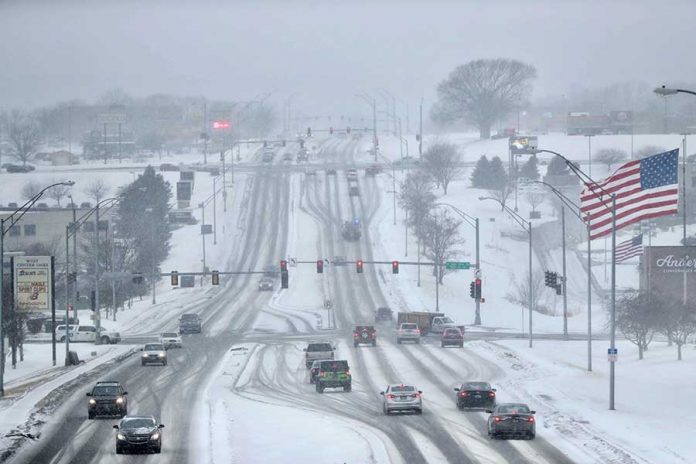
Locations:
{"points": [[12, 221], [527, 227], [473, 222], [590, 183]]}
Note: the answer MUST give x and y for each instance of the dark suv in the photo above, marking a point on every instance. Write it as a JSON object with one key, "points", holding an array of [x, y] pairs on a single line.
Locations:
{"points": [[190, 323], [383, 313], [333, 374], [364, 334], [107, 399]]}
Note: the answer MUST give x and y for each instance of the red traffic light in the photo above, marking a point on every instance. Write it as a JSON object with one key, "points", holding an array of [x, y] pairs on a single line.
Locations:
{"points": [[359, 266], [221, 125], [283, 265], [395, 267], [320, 266]]}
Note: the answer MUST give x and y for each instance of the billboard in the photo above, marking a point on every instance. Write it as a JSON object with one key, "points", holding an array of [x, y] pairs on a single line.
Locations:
{"points": [[183, 191], [523, 145], [670, 270], [32, 278]]}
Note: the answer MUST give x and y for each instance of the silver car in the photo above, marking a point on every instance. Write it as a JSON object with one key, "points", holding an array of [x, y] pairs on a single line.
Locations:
{"points": [[401, 397], [153, 353], [408, 332]]}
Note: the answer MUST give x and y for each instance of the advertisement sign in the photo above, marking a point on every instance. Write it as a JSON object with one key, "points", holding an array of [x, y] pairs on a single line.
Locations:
{"points": [[523, 145], [111, 118], [33, 282], [670, 270], [183, 191]]}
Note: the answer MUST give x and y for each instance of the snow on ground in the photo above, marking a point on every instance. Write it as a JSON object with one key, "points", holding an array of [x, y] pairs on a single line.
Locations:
{"points": [[306, 434], [649, 423]]}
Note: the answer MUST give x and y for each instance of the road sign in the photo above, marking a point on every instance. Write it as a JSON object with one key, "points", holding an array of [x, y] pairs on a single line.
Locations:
{"points": [[206, 229], [111, 118], [613, 354], [457, 265]]}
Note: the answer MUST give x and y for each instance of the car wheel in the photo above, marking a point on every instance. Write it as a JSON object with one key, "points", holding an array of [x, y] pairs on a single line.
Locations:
{"points": [[119, 450], [157, 450], [105, 340], [374, 342], [385, 410], [442, 345], [419, 411], [90, 415], [355, 344], [62, 339], [347, 388], [531, 436], [461, 345], [320, 389], [164, 363]]}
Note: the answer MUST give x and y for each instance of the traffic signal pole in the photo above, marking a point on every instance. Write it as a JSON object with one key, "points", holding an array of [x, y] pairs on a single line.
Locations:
{"points": [[565, 277], [477, 320]]}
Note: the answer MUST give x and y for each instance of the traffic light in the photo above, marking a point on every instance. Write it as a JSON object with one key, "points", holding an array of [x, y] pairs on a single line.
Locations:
{"points": [[309, 132], [472, 290], [395, 267], [559, 289], [359, 266], [550, 279], [320, 266], [137, 279], [283, 274], [93, 300], [331, 130], [348, 130], [216, 277], [175, 278], [477, 292]]}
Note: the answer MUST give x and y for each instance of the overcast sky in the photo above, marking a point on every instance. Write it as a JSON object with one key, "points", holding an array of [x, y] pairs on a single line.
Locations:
{"points": [[326, 51]]}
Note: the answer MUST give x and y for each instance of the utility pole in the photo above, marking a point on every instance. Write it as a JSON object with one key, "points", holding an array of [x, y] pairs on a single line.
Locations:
{"points": [[477, 320], [215, 211], [205, 132], [202, 205], [119, 143], [420, 132], [531, 296], [589, 153], [97, 314], [67, 286], [612, 365], [589, 295], [374, 127], [564, 282], [105, 152], [113, 281]]}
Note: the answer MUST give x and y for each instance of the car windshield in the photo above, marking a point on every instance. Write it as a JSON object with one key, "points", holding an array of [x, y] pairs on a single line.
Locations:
{"points": [[169, 335], [105, 391], [447, 320], [189, 317], [362, 328], [334, 366], [513, 409], [320, 347], [403, 389], [476, 386], [138, 422], [409, 326], [154, 347]]}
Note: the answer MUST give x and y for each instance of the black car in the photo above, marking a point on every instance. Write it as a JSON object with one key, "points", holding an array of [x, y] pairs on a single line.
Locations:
{"points": [[189, 323], [107, 399], [138, 434], [475, 395], [13, 168], [514, 420]]}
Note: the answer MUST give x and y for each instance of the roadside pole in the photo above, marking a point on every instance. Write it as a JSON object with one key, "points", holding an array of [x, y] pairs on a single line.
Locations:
{"points": [[67, 306], [565, 278], [97, 314], [477, 320]]}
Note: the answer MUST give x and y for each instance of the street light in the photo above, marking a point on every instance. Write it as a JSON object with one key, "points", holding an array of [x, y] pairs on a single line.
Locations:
{"points": [[12, 221], [667, 91], [590, 183], [371, 101], [473, 222], [527, 227]]}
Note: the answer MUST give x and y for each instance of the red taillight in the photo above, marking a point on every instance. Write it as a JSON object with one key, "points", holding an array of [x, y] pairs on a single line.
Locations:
{"points": [[347, 372], [416, 395], [531, 419], [390, 396], [491, 394], [461, 393], [497, 418]]}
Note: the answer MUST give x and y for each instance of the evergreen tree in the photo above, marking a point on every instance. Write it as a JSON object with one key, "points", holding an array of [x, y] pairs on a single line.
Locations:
{"points": [[530, 169], [557, 167], [497, 178], [481, 175]]}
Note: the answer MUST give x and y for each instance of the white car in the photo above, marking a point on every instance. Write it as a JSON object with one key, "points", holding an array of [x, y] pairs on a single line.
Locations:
{"points": [[170, 340], [87, 333], [441, 323], [408, 332], [153, 353], [401, 397]]}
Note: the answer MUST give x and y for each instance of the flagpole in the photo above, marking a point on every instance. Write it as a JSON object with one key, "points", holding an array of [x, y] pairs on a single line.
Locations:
{"points": [[612, 364]]}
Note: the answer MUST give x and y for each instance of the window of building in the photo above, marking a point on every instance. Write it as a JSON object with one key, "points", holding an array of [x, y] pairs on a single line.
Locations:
{"points": [[29, 229], [15, 231]]}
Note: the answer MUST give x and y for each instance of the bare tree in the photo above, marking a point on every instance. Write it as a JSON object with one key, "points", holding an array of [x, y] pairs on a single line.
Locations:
{"points": [[649, 150], [58, 192], [503, 194], [678, 322], [520, 294], [637, 316], [440, 235], [483, 92], [534, 199], [417, 198], [31, 189], [23, 134], [441, 160], [610, 156], [97, 190]]}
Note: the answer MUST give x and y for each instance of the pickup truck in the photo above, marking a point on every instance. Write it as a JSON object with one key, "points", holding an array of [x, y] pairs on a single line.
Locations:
{"points": [[423, 319], [440, 323]]}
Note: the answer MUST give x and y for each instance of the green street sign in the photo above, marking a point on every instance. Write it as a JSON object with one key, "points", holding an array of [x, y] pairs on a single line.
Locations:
{"points": [[457, 265]]}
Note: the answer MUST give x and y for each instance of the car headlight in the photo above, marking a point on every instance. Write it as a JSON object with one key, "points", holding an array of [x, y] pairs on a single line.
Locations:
{"points": [[145, 355], [154, 436], [120, 436], [161, 355], [119, 400], [92, 401]]}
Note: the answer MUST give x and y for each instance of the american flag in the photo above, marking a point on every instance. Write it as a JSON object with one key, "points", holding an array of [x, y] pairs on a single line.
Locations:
{"points": [[630, 248], [644, 189]]}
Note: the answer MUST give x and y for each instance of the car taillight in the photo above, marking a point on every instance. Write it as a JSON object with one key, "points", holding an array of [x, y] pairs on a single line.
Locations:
{"points": [[491, 394], [416, 395], [347, 372], [390, 396], [497, 418], [462, 393], [531, 419], [355, 334]]}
